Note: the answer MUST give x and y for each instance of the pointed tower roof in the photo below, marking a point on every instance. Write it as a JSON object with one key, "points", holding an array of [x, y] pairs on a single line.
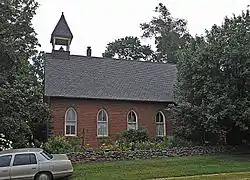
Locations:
{"points": [[62, 29]]}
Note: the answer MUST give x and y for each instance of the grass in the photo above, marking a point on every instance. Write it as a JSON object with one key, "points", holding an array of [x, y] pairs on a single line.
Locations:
{"points": [[223, 176], [164, 167]]}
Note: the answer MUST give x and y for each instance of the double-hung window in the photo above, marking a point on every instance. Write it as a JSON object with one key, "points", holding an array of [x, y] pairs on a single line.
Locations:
{"points": [[102, 123], [70, 122], [132, 120], [160, 124]]}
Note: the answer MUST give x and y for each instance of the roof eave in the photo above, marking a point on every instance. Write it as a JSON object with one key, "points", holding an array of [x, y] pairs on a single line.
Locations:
{"points": [[112, 99]]}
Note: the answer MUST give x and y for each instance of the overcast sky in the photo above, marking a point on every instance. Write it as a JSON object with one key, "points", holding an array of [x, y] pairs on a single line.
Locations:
{"points": [[97, 22]]}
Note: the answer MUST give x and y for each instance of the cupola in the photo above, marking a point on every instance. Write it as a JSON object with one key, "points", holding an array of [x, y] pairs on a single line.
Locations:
{"points": [[61, 35]]}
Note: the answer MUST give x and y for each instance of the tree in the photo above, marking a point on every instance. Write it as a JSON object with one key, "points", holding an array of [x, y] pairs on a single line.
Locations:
{"points": [[214, 82], [37, 67], [18, 40], [170, 34], [41, 121], [21, 99], [129, 48]]}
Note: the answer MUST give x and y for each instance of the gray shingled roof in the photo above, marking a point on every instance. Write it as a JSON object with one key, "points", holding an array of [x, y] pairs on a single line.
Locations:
{"points": [[99, 78], [62, 29]]}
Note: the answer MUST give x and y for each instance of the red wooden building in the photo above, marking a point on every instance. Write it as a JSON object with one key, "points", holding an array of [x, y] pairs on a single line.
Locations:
{"points": [[94, 97]]}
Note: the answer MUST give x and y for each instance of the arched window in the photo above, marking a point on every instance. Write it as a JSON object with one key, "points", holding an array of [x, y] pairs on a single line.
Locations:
{"points": [[70, 122], [160, 124], [102, 123], [132, 120]]}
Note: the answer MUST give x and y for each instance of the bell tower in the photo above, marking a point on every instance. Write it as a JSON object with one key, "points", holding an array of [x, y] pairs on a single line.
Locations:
{"points": [[61, 35]]}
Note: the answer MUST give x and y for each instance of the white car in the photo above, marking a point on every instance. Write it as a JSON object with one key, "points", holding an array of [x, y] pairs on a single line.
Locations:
{"points": [[33, 164]]}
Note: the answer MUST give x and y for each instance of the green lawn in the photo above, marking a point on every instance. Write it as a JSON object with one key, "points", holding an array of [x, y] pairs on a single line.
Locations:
{"points": [[230, 176], [164, 167]]}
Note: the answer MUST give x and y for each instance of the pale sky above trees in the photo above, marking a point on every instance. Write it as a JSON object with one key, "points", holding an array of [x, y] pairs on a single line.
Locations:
{"points": [[95, 23]]}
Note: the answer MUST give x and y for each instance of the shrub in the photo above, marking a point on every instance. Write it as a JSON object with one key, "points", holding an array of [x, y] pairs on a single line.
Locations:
{"points": [[105, 140], [75, 144], [57, 145], [126, 146], [4, 143], [60, 144], [148, 145], [152, 144], [177, 141], [133, 136], [139, 140]]}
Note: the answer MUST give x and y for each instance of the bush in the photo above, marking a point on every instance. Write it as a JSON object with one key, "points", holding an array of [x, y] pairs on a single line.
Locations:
{"points": [[59, 144], [152, 144], [177, 141], [75, 144], [4, 143], [105, 140], [148, 145], [133, 136], [139, 140]]}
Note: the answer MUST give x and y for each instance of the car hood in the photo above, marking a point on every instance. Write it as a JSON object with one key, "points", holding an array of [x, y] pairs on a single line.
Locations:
{"points": [[60, 157]]}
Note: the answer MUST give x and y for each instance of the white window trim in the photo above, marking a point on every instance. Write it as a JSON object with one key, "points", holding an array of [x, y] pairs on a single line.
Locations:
{"points": [[65, 123], [136, 120], [164, 124], [102, 122]]}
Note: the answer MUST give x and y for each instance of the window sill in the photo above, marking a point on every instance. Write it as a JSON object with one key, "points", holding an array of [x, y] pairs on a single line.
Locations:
{"points": [[70, 135], [102, 136]]}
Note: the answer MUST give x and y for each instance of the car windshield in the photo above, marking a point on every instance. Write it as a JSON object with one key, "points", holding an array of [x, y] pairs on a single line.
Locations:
{"points": [[46, 155]]}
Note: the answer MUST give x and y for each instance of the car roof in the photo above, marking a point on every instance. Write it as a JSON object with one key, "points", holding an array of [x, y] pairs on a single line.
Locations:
{"points": [[21, 150]]}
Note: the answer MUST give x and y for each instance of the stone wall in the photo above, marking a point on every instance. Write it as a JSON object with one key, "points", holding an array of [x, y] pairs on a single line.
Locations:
{"points": [[85, 157]]}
